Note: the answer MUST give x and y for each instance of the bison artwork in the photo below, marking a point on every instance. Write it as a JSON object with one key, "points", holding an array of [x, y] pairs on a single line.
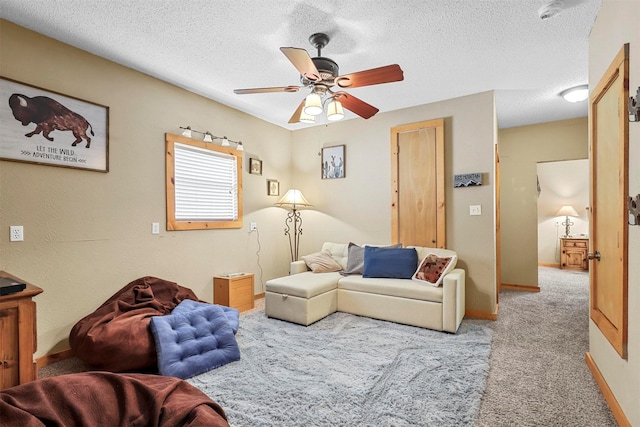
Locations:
{"points": [[49, 115]]}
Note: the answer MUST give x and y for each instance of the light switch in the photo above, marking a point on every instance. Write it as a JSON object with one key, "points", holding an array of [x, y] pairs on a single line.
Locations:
{"points": [[475, 210]]}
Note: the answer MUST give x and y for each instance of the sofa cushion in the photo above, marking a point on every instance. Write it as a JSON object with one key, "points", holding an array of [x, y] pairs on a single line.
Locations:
{"points": [[321, 262], [338, 251], [402, 288], [433, 268], [399, 263], [304, 285]]}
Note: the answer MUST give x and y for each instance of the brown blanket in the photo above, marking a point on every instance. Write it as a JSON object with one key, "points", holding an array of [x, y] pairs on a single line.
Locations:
{"points": [[107, 399], [116, 337]]}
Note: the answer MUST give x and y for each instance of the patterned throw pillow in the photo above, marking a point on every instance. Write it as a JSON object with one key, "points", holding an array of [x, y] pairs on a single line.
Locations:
{"points": [[432, 269], [321, 262]]}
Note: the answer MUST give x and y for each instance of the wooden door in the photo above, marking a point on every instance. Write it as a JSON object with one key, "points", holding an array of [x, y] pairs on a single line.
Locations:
{"points": [[609, 189], [417, 169]]}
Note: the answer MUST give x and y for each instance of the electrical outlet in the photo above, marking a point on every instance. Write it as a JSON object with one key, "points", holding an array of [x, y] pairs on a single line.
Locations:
{"points": [[155, 228], [475, 210], [253, 226], [17, 233]]}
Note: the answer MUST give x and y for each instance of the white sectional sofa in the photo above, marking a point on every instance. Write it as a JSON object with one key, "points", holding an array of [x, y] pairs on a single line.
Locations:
{"points": [[305, 297]]}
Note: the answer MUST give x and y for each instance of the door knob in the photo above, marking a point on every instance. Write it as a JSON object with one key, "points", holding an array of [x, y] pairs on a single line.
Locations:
{"points": [[595, 255]]}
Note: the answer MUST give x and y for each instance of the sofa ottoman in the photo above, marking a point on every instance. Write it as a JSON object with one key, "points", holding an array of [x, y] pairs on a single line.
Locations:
{"points": [[302, 298]]}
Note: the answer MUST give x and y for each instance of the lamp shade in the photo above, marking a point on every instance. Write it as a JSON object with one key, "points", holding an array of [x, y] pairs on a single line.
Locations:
{"points": [[567, 210], [306, 118], [293, 199], [313, 104], [335, 111]]}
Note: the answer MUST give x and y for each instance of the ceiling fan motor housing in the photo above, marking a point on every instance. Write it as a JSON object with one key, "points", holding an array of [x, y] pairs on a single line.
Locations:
{"points": [[328, 70]]}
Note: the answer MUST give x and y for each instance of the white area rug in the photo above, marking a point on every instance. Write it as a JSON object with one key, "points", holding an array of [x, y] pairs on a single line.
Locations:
{"points": [[347, 370]]}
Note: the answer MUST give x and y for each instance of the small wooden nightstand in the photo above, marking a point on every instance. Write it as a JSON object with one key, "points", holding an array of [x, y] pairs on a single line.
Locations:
{"points": [[235, 291], [18, 337], [573, 253]]}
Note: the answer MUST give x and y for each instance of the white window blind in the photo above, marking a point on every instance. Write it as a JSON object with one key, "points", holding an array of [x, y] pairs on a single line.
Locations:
{"points": [[205, 184]]}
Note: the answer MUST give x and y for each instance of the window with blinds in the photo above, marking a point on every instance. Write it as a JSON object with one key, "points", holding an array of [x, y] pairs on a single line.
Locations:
{"points": [[203, 185]]}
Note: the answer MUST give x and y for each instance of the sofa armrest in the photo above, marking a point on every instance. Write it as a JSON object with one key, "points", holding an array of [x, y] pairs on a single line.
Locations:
{"points": [[298, 267], [453, 299]]}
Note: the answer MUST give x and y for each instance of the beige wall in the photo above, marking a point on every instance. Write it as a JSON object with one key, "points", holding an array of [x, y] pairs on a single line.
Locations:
{"points": [[616, 24], [357, 208], [87, 234], [561, 183], [521, 148]]}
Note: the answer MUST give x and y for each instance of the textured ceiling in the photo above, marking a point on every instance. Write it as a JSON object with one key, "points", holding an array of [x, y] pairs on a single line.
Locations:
{"points": [[447, 48]]}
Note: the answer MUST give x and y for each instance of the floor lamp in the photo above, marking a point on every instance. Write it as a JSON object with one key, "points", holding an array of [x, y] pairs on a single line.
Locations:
{"points": [[293, 200], [567, 211]]}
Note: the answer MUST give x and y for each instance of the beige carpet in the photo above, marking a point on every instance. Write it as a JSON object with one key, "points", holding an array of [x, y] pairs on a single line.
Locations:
{"points": [[537, 372]]}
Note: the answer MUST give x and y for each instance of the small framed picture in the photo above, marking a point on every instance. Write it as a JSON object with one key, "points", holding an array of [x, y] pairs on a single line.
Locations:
{"points": [[273, 187], [255, 166], [333, 162]]}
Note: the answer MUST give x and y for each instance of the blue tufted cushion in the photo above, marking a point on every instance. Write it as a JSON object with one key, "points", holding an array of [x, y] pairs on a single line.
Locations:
{"points": [[194, 341], [233, 315]]}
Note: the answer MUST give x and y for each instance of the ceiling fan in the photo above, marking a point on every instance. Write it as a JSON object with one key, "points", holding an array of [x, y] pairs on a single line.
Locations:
{"points": [[321, 75]]}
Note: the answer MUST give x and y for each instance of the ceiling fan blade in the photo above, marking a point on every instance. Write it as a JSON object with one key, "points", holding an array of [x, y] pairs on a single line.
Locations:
{"points": [[267, 90], [356, 105], [296, 116], [303, 63], [374, 76]]}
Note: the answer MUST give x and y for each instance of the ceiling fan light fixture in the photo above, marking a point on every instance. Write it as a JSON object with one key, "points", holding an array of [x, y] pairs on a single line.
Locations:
{"points": [[576, 94], [306, 118], [313, 104], [335, 111]]}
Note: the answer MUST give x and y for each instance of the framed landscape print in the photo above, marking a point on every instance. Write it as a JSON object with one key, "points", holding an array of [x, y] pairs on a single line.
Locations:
{"points": [[49, 128], [273, 187], [255, 166], [333, 162]]}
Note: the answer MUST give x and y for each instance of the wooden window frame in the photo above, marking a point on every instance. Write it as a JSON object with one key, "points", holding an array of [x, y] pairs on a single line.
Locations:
{"points": [[176, 225]]}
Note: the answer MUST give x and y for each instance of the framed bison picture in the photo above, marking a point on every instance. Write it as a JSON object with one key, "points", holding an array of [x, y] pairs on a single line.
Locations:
{"points": [[49, 128]]}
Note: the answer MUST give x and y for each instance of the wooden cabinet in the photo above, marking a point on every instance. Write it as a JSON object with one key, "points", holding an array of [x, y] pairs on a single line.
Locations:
{"points": [[18, 337], [573, 253], [236, 291]]}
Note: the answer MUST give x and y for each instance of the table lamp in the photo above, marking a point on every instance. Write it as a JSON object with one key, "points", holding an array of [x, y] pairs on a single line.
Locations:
{"points": [[567, 211]]}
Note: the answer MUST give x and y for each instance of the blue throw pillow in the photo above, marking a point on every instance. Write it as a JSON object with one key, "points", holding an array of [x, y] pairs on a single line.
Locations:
{"points": [[193, 342], [397, 263], [233, 315]]}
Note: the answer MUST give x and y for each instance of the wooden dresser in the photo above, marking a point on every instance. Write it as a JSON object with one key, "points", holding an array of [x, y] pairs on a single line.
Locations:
{"points": [[236, 291], [573, 253], [18, 336]]}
